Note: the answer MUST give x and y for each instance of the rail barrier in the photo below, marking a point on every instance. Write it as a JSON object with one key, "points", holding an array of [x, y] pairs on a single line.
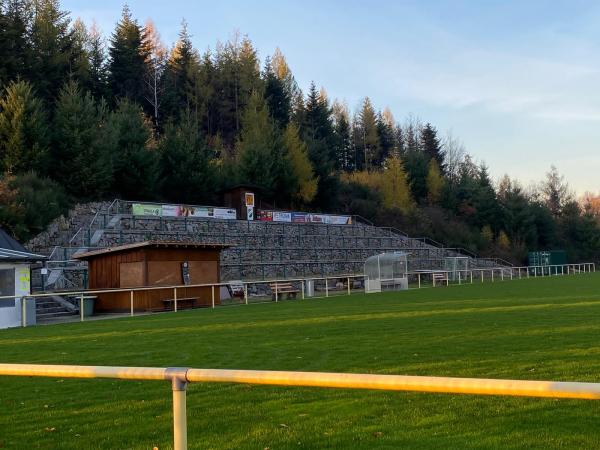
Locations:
{"points": [[342, 284], [180, 377]]}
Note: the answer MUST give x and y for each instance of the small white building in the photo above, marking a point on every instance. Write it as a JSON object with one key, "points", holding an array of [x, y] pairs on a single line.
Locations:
{"points": [[15, 280]]}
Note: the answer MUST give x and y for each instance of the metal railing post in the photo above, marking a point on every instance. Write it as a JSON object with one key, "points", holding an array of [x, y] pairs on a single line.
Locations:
{"points": [[326, 287], [492, 275], [276, 293], [348, 285], [501, 274], [471, 274], [459, 279], [81, 307], [179, 386], [131, 302], [246, 293], [482, 275], [212, 288], [175, 299], [302, 287], [23, 301], [419, 280]]}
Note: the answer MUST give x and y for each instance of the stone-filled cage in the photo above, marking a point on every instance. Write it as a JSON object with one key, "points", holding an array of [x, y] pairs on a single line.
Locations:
{"points": [[386, 272]]}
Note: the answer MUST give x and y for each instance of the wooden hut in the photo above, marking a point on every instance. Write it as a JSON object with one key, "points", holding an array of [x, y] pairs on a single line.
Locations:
{"points": [[154, 264]]}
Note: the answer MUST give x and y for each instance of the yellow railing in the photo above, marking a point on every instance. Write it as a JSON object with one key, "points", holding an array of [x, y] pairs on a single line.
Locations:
{"points": [[180, 377]]}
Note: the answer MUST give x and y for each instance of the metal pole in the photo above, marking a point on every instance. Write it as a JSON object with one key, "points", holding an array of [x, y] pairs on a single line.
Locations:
{"points": [[276, 293], [302, 286], [348, 285], [179, 414], [326, 287], [471, 273], [81, 307], [492, 275], [246, 293], [502, 274], [23, 301], [131, 302], [212, 288], [175, 298], [459, 280], [482, 275], [419, 278]]}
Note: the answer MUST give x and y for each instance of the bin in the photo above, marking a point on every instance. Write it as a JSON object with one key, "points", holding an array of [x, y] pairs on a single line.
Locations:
{"points": [[88, 306], [309, 288]]}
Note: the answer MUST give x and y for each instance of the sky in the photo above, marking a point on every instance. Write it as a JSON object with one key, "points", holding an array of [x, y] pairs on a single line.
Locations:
{"points": [[517, 82]]}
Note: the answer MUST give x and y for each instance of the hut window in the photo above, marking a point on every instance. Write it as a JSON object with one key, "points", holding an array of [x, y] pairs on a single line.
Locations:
{"points": [[7, 287]]}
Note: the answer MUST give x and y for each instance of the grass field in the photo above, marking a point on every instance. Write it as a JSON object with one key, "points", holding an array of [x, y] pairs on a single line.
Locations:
{"points": [[547, 329]]}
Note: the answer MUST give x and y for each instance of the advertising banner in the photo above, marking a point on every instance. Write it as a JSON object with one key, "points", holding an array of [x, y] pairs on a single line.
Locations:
{"points": [[279, 216], [139, 209], [146, 210], [298, 217]]}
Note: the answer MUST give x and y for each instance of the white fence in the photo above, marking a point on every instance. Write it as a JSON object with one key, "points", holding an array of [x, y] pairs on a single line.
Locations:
{"points": [[318, 287]]}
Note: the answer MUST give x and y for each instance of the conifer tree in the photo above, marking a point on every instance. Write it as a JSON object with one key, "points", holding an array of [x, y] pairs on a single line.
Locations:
{"points": [[385, 134], [14, 44], [23, 130], [134, 157], [369, 137], [52, 54], [435, 183], [277, 96], [127, 60], [344, 149], [304, 185], [431, 145], [186, 171], [98, 70], [394, 187], [257, 146], [182, 63], [82, 162]]}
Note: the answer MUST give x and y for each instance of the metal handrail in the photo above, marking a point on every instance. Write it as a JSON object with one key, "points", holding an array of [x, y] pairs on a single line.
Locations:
{"points": [[180, 377]]}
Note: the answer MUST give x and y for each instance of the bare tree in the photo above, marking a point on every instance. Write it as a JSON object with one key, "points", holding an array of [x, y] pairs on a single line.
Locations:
{"points": [[157, 56]]}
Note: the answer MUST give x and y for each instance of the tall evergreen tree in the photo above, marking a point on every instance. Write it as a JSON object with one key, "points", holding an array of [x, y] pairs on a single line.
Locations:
{"points": [[23, 130], [97, 61], [344, 149], [52, 53], [277, 96], [256, 150], [134, 159], [385, 133], [186, 171], [82, 162], [368, 136], [14, 44], [431, 145], [127, 60], [181, 65], [303, 186]]}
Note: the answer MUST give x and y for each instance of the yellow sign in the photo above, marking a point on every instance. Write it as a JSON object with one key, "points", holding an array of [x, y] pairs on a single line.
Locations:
{"points": [[249, 199]]}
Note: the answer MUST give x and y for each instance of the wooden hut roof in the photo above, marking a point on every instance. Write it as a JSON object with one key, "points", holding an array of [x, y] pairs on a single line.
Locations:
{"points": [[150, 244]]}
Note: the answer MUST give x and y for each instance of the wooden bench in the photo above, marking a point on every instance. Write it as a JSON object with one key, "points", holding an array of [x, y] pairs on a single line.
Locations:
{"points": [[440, 276], [182, 303], [283, 288]]}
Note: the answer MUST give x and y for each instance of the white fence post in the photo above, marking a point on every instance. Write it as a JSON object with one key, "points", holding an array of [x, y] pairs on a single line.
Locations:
{"points": [[81, 307], [175, 298], [23, 301], [246, 293], [131, 302], [348, 285], [213, 295]]}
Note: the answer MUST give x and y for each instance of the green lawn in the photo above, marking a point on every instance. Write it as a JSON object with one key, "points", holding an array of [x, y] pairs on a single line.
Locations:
{"points": [[546, 329]]}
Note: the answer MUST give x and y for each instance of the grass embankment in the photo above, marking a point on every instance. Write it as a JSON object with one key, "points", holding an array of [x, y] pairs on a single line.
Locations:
{"points": [[547, 329]]}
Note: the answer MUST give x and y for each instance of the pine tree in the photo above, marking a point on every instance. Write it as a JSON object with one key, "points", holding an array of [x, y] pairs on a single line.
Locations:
{"points": [[82, 162], [14, 45], [344, 149], [555, 191], [182, 63], [385, 133], [304, 186], [187, 173], [98, 83], [431, 146], [127, 60], [417, 168], [257, 147], [23, 130], [394, 187], [52, 53], [277, 96], [80, 61], [134, 158], [435, 183], [369, 137]]}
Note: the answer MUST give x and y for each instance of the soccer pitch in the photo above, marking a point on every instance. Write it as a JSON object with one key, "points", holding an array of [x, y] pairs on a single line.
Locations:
{"points": [[539, 329]]}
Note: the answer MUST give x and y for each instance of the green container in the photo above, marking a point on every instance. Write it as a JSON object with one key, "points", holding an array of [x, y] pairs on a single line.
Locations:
{"points": [[88, 306]]}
